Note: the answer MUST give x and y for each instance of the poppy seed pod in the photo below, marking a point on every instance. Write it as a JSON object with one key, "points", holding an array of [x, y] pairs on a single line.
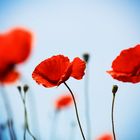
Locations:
{"points": [[19, 88], [25, 88], [86, 57], [114, 89]]}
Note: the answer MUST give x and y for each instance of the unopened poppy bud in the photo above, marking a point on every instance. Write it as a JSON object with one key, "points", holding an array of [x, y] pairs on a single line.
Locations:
{"points": [[114, 89], [19, 88], [25, 88], [86, 57]]}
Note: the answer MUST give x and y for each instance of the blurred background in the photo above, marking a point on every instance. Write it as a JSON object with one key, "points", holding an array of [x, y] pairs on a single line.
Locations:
{"points": [[73, 27]]}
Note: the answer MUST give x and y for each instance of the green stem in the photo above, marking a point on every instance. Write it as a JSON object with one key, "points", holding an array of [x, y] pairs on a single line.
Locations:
{"points": [[26, 124], [9, 113], [76, 111], [87, 105], [112, 117], [24, 135], [26, 118], [33, 108]]}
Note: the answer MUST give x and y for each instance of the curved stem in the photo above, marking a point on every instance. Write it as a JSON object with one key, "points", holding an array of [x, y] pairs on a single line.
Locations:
{"points": [[33, 108], [112, 117], [76, 110], [26, 119], [26, 124]]}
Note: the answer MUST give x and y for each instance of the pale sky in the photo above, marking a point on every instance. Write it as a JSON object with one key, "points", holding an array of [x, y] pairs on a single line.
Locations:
{"points": [[71, 28]]}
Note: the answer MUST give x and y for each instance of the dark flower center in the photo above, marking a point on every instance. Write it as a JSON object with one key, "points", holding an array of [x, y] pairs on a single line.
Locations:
{"points": [[6, 71]]}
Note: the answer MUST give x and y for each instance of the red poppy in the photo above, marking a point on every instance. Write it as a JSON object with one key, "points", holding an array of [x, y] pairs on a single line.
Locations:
{"points": [[126, 67], [63, 101], [15, 47], [105, 137], [57, 69]]}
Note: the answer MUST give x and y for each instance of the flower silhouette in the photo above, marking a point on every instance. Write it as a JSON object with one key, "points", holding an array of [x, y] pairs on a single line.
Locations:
{"points": [[57, 69], [105, 137], [63, 101], [15, 47], [126, 67]]}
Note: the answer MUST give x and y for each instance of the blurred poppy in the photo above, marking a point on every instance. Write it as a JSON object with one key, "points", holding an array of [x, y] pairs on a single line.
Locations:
{"points": [[57, 69], [63, 101], [126, 67], [105, 137], [15, 47]]}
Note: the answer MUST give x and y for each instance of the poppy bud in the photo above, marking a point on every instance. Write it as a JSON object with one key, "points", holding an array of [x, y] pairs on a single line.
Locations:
{"points": [[25, 88], [19, 88], [86, 57], [114, 89]]}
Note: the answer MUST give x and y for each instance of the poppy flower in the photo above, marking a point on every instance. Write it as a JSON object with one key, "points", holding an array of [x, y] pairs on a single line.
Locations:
{"points": [[126, 67], [15, 47], [58, 69], [63, 101], [105, 137]]}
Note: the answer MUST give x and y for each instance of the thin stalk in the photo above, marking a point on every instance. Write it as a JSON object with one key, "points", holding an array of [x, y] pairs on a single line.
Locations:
{"points": [[24, 135], [1, 131], [112, 117], [26, 124], [2, 128], [33, 108], [76, 111], [9, 113], [87, 106]]}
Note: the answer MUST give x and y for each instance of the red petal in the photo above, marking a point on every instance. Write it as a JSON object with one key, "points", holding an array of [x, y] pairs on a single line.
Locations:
{"points": [[124, 77], [21, 41], [105, 137], [78, 68], [50, 72], [41, 80], [4, 52], [11, 77], [63, 101], [3, 66], [66, 75], [16, 44], [127, 61]]}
